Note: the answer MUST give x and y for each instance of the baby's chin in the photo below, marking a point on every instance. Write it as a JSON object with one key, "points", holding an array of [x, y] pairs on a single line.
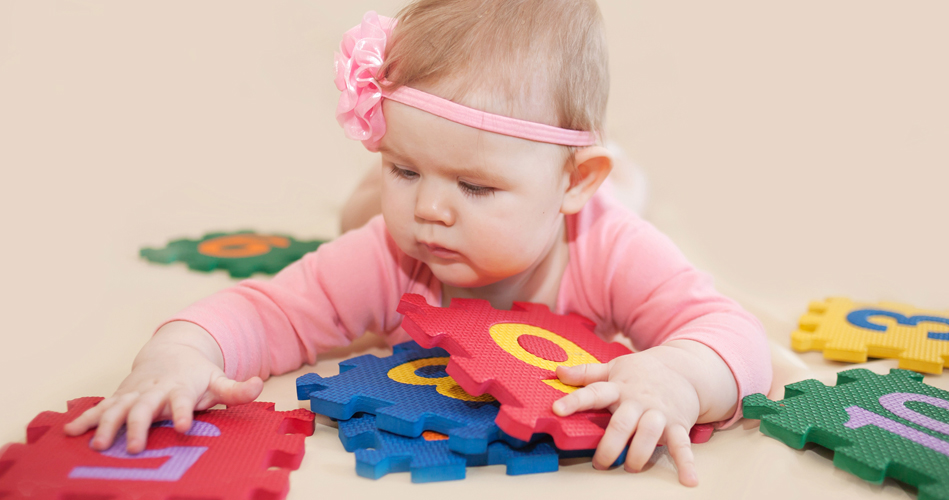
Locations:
{"points": [[458, 275]]}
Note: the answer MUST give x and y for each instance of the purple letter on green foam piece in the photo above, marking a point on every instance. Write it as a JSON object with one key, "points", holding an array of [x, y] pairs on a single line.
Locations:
{"points": [[895, 402]]}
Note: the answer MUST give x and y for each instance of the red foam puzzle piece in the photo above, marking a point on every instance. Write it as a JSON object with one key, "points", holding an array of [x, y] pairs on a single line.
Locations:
{"points": [[481, 364], [244, 452]]}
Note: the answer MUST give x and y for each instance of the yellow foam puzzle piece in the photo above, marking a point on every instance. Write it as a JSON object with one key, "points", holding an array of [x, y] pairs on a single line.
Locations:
{"points": [[850, 331]]}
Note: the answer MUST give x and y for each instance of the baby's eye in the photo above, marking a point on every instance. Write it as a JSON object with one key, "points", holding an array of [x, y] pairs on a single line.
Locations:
{"points": [[475, 190], [403, 173]]}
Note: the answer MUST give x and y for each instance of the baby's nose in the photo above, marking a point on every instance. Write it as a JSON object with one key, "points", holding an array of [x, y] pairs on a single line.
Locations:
{"points": [[433, 204]]}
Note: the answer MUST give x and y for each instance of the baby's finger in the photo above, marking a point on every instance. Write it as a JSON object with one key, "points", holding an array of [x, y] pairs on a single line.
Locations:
{"points": [[140, 418], [182, 405], [231, 393], [616, 437], [648, 432], [89, 418], [677, 440], [594, 396], [111, 420], [581, 375]]}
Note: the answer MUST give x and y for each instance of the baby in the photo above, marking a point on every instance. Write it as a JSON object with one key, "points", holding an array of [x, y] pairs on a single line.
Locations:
{"points": [[487, 115]]}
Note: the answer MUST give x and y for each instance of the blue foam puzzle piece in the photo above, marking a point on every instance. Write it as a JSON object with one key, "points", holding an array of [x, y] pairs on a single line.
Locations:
{"points": [[363, 385], [589, 453], [378, 453]]}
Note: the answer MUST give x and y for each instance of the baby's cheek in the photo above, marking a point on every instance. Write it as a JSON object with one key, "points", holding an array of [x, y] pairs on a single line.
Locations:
{"points": [[505, 253], [400, 231]]}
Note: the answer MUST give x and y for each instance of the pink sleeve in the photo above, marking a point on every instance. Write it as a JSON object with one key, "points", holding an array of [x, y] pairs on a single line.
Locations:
{"points": [[325, 300], [638, 282]]}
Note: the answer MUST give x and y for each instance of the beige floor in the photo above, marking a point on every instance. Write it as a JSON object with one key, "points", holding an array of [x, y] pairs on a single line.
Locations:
{"points": [[794, 150]]}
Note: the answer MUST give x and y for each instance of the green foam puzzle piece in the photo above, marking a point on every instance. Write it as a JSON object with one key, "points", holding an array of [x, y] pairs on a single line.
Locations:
{"points": [[241, 253], [878, 425]]}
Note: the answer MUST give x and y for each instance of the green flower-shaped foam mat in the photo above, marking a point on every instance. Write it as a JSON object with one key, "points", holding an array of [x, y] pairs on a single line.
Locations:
{"points": [[242, 253]]}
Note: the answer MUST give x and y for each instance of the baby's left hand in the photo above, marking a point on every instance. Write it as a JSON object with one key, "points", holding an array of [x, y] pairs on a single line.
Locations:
{"points": [[651, 402]]}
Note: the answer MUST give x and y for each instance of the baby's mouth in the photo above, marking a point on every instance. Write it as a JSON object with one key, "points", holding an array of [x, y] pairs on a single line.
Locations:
{"points": [[439, 251]]}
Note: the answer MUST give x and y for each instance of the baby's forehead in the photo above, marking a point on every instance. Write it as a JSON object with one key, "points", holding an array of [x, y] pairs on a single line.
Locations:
{"points": [[418, 139], [486, 155]]}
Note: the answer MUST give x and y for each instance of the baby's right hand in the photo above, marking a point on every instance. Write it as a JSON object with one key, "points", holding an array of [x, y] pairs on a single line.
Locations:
{"points": [[176, 373]]}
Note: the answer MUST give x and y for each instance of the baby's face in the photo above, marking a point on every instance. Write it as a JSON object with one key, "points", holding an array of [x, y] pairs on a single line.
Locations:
{"points": [[477, 207]]}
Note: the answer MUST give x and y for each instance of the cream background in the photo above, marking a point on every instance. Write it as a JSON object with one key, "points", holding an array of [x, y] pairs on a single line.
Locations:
{"points": [[794, 150]]}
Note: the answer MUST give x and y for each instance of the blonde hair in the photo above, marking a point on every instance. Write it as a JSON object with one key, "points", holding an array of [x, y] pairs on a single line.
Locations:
{"points": [[551, 52]]}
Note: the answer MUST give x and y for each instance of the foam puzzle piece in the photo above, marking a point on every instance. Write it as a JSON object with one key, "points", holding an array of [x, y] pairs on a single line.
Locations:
{"points": [[878, 425], [408, 392], [242, 253], [512, 355], [849, 331], [227, 454], [428, 457], [524, 356]]}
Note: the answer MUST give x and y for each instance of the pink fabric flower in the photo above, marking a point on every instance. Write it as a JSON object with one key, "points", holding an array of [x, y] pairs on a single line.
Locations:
{"points": [[361, 55]]}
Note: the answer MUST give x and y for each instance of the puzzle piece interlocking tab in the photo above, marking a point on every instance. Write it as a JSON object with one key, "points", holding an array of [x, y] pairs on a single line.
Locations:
{"points": [[878, 425], [849, 331], [242, 452]]}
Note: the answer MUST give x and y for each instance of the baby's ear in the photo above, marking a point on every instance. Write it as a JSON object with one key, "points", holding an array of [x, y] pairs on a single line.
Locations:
{"points": [[593, 164]]}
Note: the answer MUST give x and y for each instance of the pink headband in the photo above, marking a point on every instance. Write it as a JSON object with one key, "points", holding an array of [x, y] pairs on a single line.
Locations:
{"points": [[361, 55]]}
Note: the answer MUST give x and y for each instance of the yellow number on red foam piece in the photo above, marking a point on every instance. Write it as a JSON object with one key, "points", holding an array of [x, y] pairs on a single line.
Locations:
{"points": [[446, 386], [507, 335]]}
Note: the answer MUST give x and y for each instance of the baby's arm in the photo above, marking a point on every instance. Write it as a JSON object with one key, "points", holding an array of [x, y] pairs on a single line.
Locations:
{"points": [[260, 328], [179, 371], [655, 396], [699, 352]]}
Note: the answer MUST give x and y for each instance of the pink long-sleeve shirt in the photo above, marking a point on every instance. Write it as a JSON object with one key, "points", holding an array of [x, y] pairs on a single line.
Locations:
{"points": [[622, 273]]}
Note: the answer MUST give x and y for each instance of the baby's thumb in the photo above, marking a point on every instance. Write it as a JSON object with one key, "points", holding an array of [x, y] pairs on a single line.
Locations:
{"points": [[230, 392]]}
